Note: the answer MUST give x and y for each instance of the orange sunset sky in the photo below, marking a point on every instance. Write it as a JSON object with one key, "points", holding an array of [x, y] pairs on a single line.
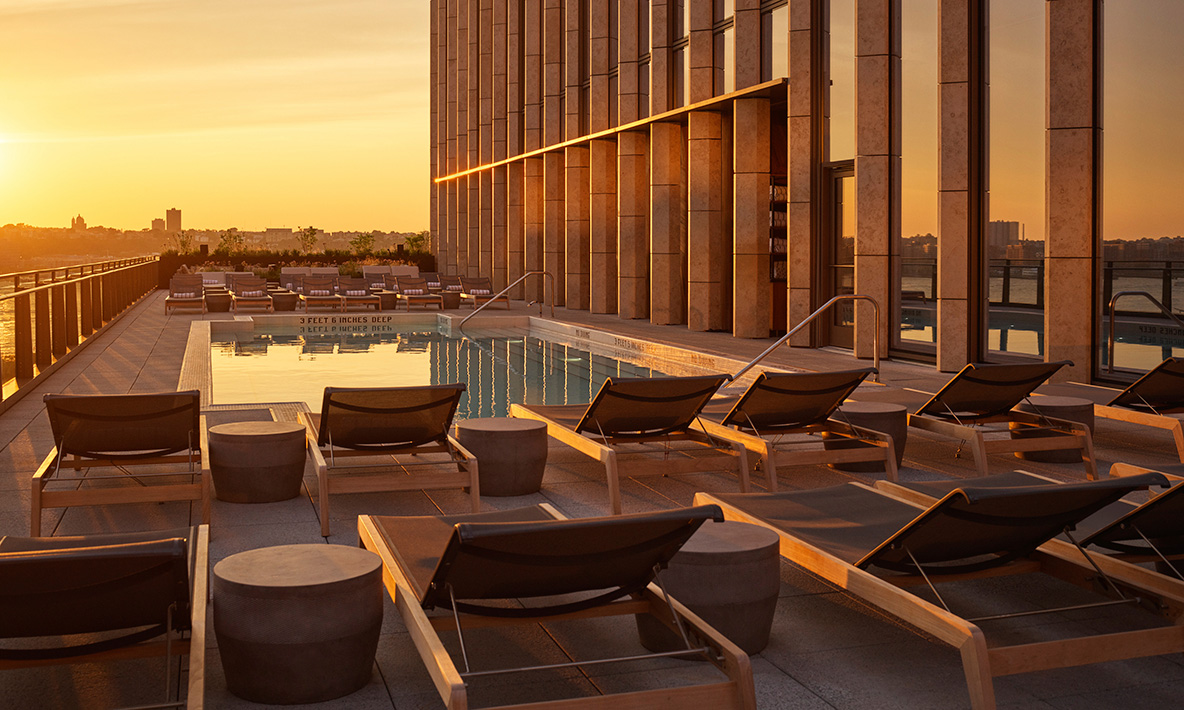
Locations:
{"points": [[286, 113]]}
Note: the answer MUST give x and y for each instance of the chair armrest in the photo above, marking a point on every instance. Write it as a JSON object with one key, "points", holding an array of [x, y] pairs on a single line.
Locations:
{"points": [[310, 434], [204, 443], [465, 453], [47, 467]]}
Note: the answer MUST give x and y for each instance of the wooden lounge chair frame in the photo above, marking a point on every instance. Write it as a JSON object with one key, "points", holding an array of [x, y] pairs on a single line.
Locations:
{"points": [[736, 692], [792, 429], [382, 471], [186, 565], [889, 591], [1158, 523], [983, 395], [153, 419], [1152, 400], [361, 294], [181, 285], [250, 284], [479, 291], [330, 298], [426, 297], [657, 417]]}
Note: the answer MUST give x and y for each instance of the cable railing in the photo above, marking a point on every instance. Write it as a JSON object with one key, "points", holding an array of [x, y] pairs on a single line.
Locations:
{"points": [[550, 281], [1110, 336], [822, 309]]}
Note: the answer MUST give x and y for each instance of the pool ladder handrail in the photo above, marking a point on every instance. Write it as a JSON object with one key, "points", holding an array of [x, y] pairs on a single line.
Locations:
{"points": [[822, 309], [550, 280], [1110, 335]]}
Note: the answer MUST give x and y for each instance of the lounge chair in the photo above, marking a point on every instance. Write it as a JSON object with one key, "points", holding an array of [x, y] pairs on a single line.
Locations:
{"points": [[162, 435], [629, 413], [414, 291], [213, 279], [373, 273], [146, 585], [1152, 531], [380, 423], [433, 279], [1156, 400], [292, 276], [477, 292], [185, 291], [356, 292], [982, 395], [844, 533], [474, 564], [451, 283], [250, 292], [788, 412], [321, 291]]}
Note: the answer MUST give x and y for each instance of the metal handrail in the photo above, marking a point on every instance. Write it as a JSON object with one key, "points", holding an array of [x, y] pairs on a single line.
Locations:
{"points": [[1110, 336], [811, 317], [522, 278]]}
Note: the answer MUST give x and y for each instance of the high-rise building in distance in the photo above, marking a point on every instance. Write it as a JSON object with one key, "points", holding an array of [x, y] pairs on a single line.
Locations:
{"points": [[158, 225], [172, 219]]}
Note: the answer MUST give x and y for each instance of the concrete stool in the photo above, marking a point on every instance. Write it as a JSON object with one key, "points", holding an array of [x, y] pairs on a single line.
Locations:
{"points": [[511, 453], [729, 574], [884, 417], [298, 623], [257, 462], [1073, 409], [451, 301]]}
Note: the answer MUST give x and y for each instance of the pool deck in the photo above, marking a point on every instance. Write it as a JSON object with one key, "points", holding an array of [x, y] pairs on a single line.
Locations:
{"points": [[828, 650]]}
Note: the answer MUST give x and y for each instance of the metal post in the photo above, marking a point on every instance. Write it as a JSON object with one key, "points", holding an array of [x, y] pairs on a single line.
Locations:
{"points": [[57, 320], [42, 354], [23, 316], [71, 315]]}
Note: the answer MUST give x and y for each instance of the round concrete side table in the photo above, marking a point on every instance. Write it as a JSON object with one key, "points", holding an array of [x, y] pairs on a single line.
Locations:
{"points": [[729, 574], [1073, 409], [450, 299], [257, 462], [884, 417], [511, 453], [298, 623]]}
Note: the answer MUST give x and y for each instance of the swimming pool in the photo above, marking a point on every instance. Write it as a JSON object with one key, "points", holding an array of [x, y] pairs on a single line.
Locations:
{"points": [[289, 363]]}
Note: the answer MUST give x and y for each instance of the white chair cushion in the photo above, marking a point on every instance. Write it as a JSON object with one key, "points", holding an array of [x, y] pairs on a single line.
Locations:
{"points": [[185, 295], [351, 292], [480, 292], [412, 292], [318, 292], [252, 294]]}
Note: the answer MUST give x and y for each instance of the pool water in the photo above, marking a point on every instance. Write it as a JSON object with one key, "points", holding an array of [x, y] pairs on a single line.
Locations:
{"points": [[279, 366]]}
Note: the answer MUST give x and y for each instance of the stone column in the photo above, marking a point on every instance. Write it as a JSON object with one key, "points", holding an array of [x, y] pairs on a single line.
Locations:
{"points": [[807, 125], [632, 179], [877, 164], [1073, 184], [476, 130], [602, 174], [668, 296], [436, 156], [577, 250], [962, 181], [514, 143], [497, 234], [554, 214], [709, 300], [700, 52], [750, 276], [457, 130], [747, 35], [532, 170]]}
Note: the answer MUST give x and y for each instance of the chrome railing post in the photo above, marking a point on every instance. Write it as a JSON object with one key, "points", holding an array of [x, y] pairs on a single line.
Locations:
{"points": [[550, 281], [1110, 337], [822, 309]]}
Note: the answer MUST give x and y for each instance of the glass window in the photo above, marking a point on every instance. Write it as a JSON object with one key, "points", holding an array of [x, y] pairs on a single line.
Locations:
{"points": [[841, 103], [914, 261], [775, 44], [1015, 231], [725, 62], [643, 89], [681, 76], [1142, 214]]}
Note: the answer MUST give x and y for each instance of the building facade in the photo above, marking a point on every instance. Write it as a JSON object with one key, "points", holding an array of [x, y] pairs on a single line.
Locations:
{"points": [[732, 165], [172, 218]]}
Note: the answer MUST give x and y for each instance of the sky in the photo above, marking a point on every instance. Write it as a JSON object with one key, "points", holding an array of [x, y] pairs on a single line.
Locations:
{"points": [[240, 113]]}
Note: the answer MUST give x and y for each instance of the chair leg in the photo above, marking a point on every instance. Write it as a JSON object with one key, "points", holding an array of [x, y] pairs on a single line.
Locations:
{"points": [[976, 665], [35, 509], [769, 462], [978, 448], [742, 464], [323, 498], [609, 458]]}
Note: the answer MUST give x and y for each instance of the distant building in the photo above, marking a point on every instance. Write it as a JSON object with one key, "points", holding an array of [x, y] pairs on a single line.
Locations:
{"points": [[78, 224], [1001, 236], [173, 220], [158, 225]]}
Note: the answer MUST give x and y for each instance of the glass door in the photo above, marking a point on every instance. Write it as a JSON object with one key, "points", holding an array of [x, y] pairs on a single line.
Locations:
{"points": [[839, 253]]}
